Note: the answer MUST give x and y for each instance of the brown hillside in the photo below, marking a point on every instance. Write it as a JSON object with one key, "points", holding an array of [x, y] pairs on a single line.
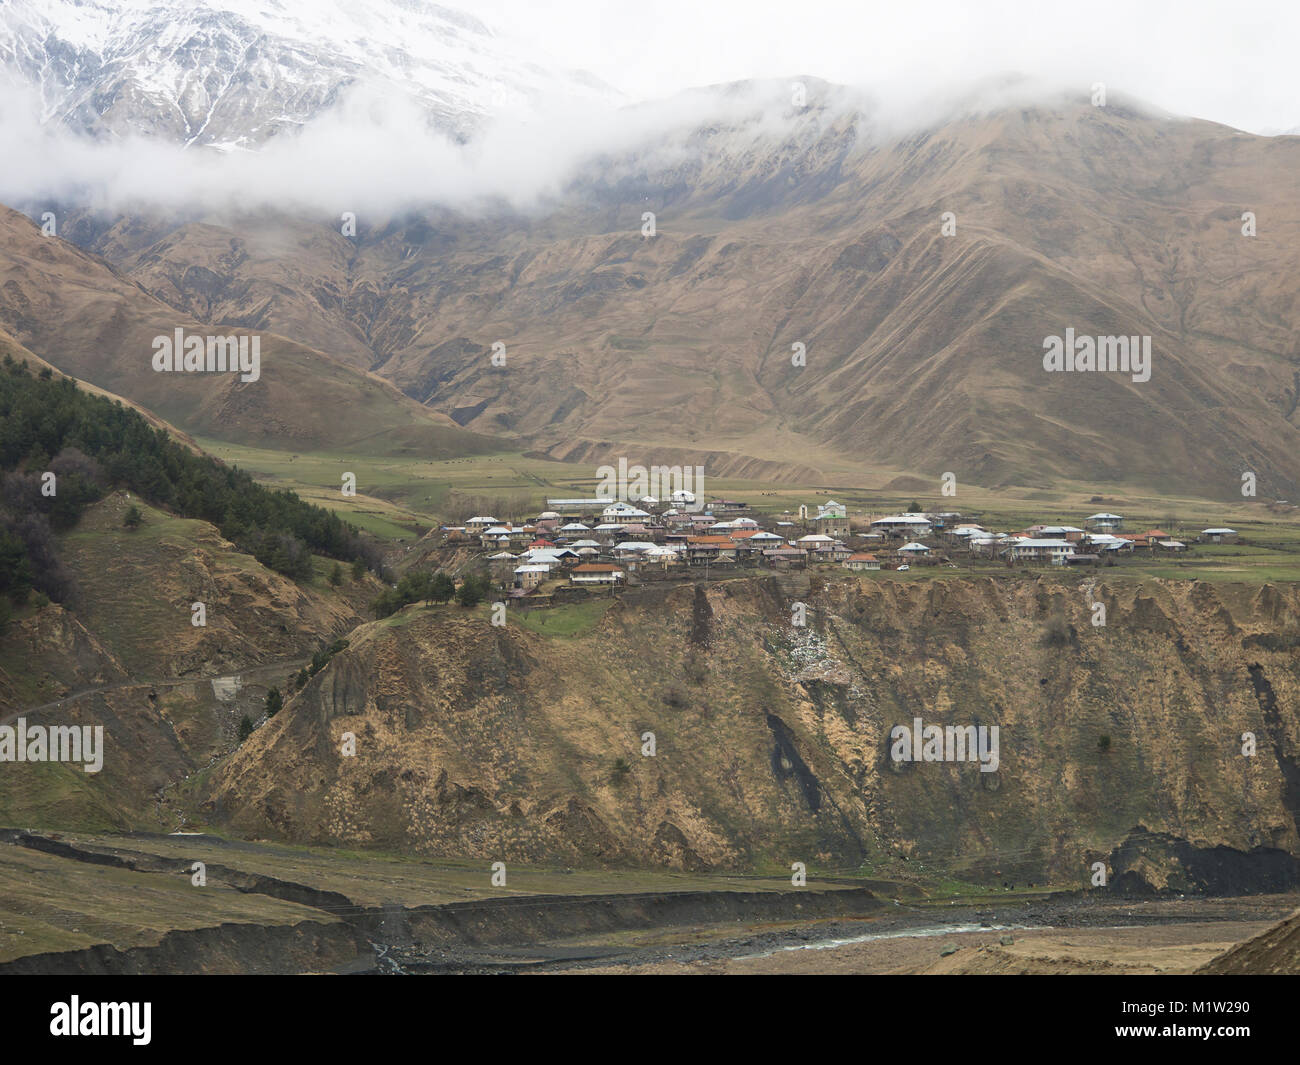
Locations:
{"points": [[509, 743], [924, 352]]}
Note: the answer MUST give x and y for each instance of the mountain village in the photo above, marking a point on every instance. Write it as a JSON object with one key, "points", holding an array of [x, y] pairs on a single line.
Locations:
{"points": [[604, 543]]}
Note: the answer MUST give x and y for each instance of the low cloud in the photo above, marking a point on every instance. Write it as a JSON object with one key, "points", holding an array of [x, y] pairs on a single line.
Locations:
{"points": [[379, 152]]}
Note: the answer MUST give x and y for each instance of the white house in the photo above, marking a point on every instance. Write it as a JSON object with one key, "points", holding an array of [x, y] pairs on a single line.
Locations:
{"points": [[903, 525], [914, 550], [1039, 549]]}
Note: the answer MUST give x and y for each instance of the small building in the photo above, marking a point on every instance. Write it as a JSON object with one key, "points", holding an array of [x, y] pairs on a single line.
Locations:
{"points": [[861, 561], [530, 575], [1218, 536], [1104, 522], [914, 550]]}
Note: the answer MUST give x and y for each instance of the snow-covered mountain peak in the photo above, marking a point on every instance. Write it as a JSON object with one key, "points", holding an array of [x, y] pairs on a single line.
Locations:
{"points": [[235, 73]]}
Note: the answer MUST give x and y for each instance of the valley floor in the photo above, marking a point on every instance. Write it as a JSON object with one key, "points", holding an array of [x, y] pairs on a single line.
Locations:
{"points": [[131, 904]]}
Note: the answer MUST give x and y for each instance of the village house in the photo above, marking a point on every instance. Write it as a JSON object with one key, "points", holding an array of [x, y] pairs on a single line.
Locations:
{"points": [[914, 550], [531, 574], [1038, 549], [1104, 522], [550, 556], [902, 525], [708, 549], [631, 550], [623, 513], [1108, 544], [607, 533], [502, 565], [861, 561], [816, 543], [662, 555], [589, 573], [1149, 539], [495, 535], [785, 557], [1070, 533]]}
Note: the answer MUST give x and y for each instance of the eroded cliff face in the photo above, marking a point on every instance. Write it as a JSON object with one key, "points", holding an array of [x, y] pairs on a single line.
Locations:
{"points": [[772, 741]]}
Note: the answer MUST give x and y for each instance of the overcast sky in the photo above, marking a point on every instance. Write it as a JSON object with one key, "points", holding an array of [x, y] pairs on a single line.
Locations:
{"points": [[1231, 62]]}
